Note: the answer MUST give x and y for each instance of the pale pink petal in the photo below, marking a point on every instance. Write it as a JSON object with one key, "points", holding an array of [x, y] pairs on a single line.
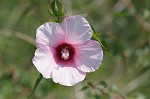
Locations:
{"points": [[76, 29], [67, 75], [88, 56], [44, 62], [49, 34]]}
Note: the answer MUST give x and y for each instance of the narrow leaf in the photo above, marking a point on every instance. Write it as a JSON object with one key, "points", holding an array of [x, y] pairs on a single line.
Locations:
{"points": [[36, 84], [84, 88], [92, 28], [94, 36], [99, 39], [103, 84], [51, 12], [103, 42], [97, 96]]}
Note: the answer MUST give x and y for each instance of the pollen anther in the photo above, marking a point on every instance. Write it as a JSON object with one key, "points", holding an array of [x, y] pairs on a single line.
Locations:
{"points": [[65, 54]]}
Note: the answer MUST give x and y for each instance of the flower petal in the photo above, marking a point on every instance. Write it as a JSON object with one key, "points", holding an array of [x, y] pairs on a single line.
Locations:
{"points": [[67, 76], [76, 29], [49, 34], [88, 56], [44, 62]]}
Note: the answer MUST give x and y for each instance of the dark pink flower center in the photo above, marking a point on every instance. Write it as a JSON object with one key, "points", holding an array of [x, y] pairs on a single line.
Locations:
{"points": [[65, 52]]}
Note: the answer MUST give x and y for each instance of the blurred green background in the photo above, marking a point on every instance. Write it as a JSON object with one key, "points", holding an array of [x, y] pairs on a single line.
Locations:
{"points": [[124, 24]]}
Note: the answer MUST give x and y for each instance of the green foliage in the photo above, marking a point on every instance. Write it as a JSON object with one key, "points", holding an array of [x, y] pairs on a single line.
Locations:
{"points": [[103, 84], [84, 88], [99, 39], [36, 84], [97, 97], [120, 27], [56, 8]]}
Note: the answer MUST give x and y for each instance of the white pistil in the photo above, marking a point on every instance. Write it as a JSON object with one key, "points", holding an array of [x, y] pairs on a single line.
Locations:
{"points": [[64, 54]]}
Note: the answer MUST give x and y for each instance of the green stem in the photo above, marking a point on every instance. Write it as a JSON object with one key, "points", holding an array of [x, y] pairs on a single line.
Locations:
{"points": [[58, 19]]}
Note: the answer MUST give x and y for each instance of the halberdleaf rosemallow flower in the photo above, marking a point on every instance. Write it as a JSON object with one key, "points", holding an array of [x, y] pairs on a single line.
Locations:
{"points": [[65, 52]]}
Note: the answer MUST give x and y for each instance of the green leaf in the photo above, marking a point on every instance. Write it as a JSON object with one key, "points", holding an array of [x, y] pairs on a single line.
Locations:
{"points": [[92, 28], [94, 36], [51, 12], [104, 43], [120, 14], [84, 88], [103, 84], [99, 39], [97, 96], [36, 84]]}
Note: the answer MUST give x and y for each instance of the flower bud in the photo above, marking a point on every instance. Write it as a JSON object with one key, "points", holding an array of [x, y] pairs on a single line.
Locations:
{"points": [[56, 8]]}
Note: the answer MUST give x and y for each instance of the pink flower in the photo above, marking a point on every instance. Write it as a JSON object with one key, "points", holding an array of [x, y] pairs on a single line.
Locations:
{"points": [[65, 52]]}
